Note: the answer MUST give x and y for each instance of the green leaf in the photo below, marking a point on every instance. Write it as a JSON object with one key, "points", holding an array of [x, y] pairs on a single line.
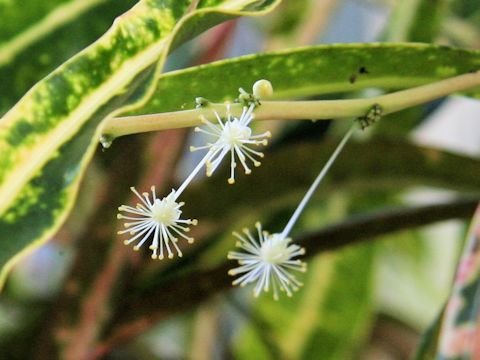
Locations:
{"points": [[428, 20], [35, 42], [416, 20], [328, 318], [48, 138], [314, 70], [428, 342], [291, 16]]}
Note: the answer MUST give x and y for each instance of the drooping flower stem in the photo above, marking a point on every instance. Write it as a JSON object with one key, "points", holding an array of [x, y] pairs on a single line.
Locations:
{"points": [[192, 174], [268, 259], [317, 182], [294, 110]]}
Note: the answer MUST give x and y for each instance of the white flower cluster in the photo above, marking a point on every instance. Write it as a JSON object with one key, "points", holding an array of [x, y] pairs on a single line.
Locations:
{"points": [[267, 260], [234, 137], [157, 217], [157, 220]]}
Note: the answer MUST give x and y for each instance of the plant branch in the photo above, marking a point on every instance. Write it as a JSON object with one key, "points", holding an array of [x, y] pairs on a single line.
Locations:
{"points": [[191, 289], [295, 110]]}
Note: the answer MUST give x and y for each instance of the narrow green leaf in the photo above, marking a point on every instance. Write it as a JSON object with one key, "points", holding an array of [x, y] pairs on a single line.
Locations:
{"points": [[313, 71], [48, 138], [327, 319], [416, 20], [346, 310], [428, 20], [428, 343]]}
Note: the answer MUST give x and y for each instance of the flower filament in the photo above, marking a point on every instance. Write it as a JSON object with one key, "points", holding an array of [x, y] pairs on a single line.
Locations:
{"points": [[234, 137], [267, 261], [157, 217]]}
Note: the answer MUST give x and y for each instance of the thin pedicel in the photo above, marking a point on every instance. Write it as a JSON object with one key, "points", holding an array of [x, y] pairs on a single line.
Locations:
{"points": [[269, 259]]}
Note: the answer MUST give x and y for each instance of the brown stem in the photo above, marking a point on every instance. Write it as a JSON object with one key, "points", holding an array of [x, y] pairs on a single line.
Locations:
{"points": [[361, 228], [191, 289]]}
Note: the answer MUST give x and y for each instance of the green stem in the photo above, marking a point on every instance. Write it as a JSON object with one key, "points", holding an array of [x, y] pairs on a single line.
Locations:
{"points": [[295, 110]]}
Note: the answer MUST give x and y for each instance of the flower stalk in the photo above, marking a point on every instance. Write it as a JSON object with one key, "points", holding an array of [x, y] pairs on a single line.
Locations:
{"points": [[298, 211], [269, 259], [294, 110]]}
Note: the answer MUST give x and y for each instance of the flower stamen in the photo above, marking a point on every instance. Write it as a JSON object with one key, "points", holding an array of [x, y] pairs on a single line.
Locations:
{"points": [[234, 136], [267, 261], [158, 220]]}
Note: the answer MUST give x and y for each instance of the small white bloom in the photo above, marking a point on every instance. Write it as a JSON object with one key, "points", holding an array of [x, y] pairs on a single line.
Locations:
{"points": [[156, 219], [233, 136], [267, 261]]}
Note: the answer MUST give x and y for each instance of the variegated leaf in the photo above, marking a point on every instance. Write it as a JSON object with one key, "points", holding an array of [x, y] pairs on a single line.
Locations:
{"points": [[35, 42]]}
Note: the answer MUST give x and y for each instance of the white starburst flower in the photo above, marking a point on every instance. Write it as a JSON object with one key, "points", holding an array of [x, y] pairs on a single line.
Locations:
{"points": [[234, 137], [158, 220], [268, 262]]}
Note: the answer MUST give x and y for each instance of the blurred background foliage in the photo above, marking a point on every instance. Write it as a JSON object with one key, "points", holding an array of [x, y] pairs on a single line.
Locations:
{"points": [[405, 209]]}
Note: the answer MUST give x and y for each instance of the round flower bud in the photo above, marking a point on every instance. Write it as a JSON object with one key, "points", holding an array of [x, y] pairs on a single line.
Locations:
{"points": [[262, 89]]}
